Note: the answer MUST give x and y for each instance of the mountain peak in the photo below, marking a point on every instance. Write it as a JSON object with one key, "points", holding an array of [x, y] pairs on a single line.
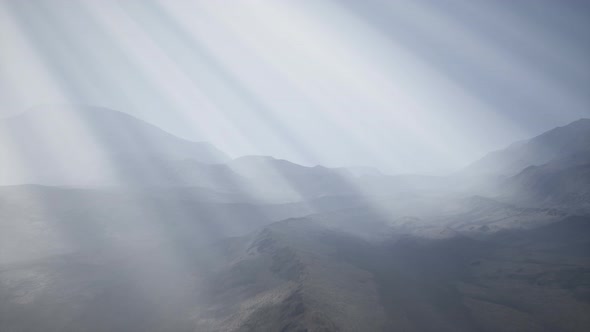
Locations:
{"points": [[558, 143], [90, 144], [582, 121]]}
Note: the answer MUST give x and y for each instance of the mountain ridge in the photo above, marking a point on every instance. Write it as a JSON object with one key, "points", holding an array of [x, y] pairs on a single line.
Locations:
{"points": [[557, 143], [91, 145]]}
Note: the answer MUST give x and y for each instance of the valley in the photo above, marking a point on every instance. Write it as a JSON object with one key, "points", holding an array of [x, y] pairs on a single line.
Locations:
{"points": [[261, 244]]}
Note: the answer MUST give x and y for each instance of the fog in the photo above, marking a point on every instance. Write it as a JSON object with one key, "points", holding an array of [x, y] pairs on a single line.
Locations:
{"points": [[405, 86], [294, 166]]}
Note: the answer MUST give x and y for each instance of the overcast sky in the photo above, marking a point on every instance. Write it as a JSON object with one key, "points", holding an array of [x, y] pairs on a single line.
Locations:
{"points": [[406, 86]]}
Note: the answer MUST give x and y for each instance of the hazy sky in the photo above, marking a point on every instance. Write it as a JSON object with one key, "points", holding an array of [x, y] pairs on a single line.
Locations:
{"points": [[407, 86]]}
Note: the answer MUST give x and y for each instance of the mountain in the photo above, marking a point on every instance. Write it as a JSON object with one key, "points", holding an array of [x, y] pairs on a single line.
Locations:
{"points": [[44, 221], [317, 277], [268, 174], [93, 146], [313, 274], [268, 179], [182, 243], [563, 183], [83, 145], [559, 143]]}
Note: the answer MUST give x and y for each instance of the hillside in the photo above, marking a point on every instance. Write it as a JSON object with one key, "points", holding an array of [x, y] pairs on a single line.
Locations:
{"points": [[83, 145], [559, 143], [335, 252], [304, 274]]}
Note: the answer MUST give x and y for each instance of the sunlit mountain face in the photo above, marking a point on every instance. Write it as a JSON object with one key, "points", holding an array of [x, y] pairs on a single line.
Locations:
{"points": [[294, 165]]}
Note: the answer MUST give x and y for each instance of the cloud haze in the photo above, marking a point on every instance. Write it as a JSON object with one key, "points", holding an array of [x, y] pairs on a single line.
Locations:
{"points": [[407, 86]]}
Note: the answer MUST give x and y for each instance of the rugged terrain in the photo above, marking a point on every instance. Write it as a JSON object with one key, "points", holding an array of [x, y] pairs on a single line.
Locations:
{"points": [[208, 243]]}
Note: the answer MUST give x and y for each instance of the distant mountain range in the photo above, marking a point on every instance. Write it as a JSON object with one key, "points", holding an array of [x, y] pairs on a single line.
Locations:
{"points": [[570, 142], [112, 224], [82, 145]]}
